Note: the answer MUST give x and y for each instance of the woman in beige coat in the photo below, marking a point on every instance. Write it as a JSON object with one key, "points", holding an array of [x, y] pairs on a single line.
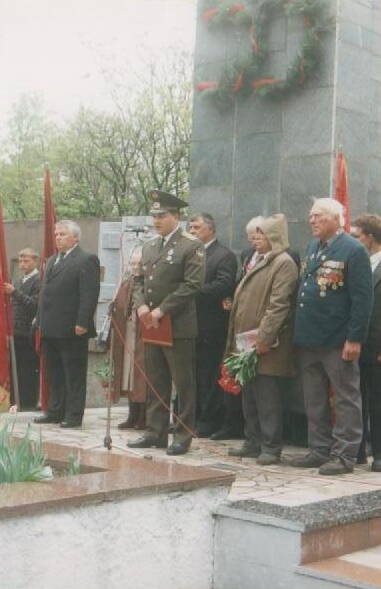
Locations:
{"points": [[264, 301]]}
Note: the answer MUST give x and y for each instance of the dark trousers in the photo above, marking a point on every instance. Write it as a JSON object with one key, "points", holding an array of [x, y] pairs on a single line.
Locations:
{"points": [[370, 382], [164, 365], [210, 397], [66, 363], [27, 363], [335, 432], [262, 409]]}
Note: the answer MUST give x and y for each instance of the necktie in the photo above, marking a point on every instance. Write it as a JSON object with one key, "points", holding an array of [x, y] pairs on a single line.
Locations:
{"points": [[162, 244], [60, 259]]}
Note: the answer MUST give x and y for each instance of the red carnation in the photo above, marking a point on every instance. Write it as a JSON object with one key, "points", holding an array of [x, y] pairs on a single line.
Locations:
{"points": [[228, 383]]}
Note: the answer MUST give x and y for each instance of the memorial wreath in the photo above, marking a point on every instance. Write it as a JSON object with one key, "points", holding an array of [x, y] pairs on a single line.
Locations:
{"points": [[247, 75]]}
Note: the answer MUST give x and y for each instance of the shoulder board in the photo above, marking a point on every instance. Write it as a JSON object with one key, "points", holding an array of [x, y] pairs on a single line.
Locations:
{"points": [[188, 235]]}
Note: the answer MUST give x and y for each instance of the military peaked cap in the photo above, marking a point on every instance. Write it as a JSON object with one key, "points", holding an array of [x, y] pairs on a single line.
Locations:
{"points": [[163, 202]]}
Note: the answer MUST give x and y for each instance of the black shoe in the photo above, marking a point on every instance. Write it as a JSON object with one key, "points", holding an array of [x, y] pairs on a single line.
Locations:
{"points": [[178, 448], [246, 449], [376, 465], [336, 465], [70, 424], [310, 460], [265, 459], [225, 434], [147, 442], [128, 424], [46, 418]]}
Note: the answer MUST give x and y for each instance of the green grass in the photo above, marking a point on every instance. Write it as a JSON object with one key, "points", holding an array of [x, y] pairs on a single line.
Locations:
{"points": [[21, 459]]}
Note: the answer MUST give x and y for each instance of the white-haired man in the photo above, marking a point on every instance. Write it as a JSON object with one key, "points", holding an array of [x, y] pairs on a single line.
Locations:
{"points": [[332, 314], [69, 295]]}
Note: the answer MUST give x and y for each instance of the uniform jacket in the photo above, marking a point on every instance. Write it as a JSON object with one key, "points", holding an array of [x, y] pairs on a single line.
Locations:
{"points": [[170, 278], [69, 295], [335, 294], [264, 300], [372, 346], [220, 280], [24, 303]]}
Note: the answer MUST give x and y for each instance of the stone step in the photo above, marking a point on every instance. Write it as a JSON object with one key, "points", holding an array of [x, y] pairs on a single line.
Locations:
{"points": [[360, 569]]}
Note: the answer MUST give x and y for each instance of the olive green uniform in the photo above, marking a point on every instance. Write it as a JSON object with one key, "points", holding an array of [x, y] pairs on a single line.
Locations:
{"points": [[170, 278]]}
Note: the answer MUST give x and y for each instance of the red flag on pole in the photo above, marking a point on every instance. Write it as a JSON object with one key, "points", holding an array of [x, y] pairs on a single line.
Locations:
{"points": [[341, 190], [6, 326], [49, 248]]}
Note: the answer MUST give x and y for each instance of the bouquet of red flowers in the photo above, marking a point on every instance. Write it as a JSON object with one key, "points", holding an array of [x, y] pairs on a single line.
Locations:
{"points": [[238, 369]]}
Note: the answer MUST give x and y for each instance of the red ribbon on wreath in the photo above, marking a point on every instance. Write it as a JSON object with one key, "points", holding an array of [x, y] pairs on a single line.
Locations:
{"points": [[233, 10], [201, 86], [209, 14], [238, 84], [260, 82]]}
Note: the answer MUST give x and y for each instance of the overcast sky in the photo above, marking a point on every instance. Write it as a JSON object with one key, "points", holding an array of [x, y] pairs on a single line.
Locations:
{"points": [[58, 47]]}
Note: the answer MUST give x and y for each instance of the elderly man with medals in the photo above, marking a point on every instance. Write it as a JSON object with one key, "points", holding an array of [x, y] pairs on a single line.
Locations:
{"points": [[332, 314]]}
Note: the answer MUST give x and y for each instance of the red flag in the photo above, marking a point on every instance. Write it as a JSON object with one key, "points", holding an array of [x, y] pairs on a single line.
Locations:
{"points": [[49, 248], [341, 190], [6, 326]]}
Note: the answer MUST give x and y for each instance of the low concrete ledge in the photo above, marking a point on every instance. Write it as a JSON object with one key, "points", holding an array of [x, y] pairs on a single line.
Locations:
{"points": [[119, 476], [319, 514]]}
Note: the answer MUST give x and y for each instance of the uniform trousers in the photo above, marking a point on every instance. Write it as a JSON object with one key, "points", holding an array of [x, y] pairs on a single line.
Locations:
{"points": [[336, 431], [66, 363], [262, 410], [164, 365]]}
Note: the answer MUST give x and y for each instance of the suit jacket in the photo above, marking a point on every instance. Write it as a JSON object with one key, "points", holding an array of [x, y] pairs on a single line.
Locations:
{"points": [[335, 294], [220, 279], [170, 278], [69, 295], [24, 303], [372, 346]]}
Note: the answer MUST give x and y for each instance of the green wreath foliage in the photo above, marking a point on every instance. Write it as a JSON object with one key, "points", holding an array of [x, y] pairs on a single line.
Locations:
{"points": [[247, 75]]}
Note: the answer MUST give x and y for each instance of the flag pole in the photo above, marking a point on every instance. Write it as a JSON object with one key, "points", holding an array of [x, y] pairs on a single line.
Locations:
{"points": [[15, 380]]}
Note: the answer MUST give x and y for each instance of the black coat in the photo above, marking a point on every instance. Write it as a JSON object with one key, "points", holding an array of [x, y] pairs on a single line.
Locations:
{"points": [[372, 346], [220, 280], [69, 295], [24, 303]]}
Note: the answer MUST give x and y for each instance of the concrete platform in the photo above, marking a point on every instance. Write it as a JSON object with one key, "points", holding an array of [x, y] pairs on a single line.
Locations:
{"points": [[279, 526]]}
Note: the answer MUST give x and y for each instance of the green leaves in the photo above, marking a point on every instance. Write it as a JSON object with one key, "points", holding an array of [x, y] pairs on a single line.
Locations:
{"points": [[242, 366], [21, 459]]}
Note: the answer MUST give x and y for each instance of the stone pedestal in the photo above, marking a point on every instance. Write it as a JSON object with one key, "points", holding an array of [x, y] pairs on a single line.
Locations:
{"points": [[261, 156]]}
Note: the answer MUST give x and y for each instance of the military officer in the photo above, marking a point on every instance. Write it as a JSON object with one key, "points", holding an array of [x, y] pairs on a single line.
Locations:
{"points": [[332, 314], [171, 274]]}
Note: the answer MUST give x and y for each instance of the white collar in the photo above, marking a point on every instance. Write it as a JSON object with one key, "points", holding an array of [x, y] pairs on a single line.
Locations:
{"points": [[375, 259], [27, 276], [206, 245]]}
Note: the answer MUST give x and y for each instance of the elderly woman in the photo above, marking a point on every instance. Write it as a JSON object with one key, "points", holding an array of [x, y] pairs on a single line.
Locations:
{"points": [[264, 302]]}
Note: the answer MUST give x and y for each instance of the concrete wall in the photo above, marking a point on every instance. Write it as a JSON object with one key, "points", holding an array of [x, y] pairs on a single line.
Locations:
{"points": [[154, 541], [264, 156]]}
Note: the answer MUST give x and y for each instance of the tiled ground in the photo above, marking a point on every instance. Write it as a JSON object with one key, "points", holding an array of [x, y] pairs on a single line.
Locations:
{"points": [[280, 484]]}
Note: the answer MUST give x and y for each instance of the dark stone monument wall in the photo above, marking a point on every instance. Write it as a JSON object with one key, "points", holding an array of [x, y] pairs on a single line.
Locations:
{"points": [[261, 156]]}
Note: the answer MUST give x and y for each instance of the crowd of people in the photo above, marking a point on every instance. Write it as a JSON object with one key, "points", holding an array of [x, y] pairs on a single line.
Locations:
{"points": [[319, 321]]}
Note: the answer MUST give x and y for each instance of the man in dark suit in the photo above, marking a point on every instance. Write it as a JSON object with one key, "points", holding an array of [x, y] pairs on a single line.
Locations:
{"points": [[212, 319], [171, 274], [332, 314], [24, 293], [69, 295], [367, 229]]}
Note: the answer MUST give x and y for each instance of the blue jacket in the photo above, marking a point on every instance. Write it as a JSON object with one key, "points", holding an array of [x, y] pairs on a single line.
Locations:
{"points": [[335, 295]]}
